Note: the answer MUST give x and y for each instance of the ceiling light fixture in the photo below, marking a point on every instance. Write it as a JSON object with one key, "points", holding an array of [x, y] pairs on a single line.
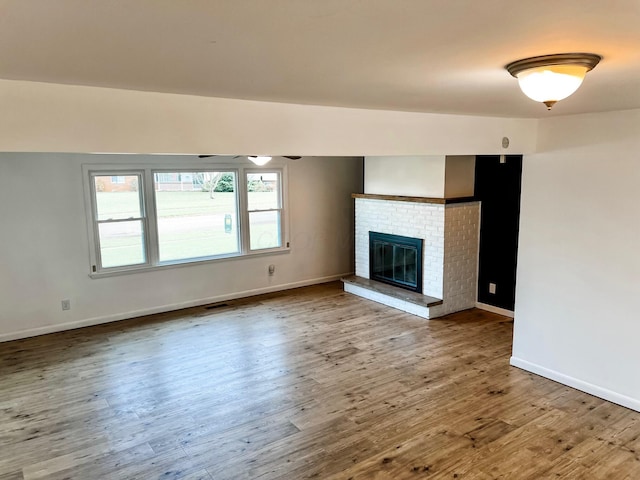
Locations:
{"points": [[259, 160], [551, 78]]}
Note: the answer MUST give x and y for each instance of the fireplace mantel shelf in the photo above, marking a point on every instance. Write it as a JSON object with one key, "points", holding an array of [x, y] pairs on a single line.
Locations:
{"points": [[400, 198]]}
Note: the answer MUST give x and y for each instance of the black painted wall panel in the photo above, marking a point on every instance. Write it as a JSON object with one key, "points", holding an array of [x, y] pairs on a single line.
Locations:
{"points": [[497, 186]]}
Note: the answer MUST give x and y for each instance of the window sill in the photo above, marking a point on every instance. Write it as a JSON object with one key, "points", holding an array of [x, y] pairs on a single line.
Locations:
{"points": [[190, 263]]}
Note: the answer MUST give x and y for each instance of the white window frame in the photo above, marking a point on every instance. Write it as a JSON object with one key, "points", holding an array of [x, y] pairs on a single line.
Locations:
{"points": [[246, 212], [95, 223], [156, 250], [148, 209]]}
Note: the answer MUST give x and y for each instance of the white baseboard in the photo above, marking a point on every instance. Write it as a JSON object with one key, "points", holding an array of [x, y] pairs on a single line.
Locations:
{"points": [[34, 332], [492, 309], [620, 399]]}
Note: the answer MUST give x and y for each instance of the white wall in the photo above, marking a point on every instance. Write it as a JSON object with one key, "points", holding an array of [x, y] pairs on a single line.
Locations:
{"points": [[410, 176], [435, 176], [44, 252], [40, 117], [578, 279]]}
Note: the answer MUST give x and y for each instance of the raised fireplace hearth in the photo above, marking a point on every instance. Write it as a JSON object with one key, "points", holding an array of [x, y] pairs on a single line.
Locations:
{"points": [[396, 260]]}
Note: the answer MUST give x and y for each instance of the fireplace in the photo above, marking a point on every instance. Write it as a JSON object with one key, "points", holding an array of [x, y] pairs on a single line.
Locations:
{"points": [[396, 260], [448, 229]]}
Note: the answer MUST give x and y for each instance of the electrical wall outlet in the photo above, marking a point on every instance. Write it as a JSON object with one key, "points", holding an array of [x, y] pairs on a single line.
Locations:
{"points": [[272, 269], [66, 304], [492, 288]]}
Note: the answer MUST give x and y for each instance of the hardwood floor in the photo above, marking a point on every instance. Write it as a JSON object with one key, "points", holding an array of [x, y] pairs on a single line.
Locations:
{"points": [[311, 383]]}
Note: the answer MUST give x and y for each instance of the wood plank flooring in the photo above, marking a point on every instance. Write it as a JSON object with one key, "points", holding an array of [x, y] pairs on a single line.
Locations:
{"points": [[311, 383]]}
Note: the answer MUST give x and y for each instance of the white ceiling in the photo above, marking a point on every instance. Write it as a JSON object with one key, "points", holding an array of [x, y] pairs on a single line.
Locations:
{"points": [[411, 55]]}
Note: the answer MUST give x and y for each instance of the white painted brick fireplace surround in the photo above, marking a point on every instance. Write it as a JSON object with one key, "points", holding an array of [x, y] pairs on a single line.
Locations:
{"points": [[450, 251]]}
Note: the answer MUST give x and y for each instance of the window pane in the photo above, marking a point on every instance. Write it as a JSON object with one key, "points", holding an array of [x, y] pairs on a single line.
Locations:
{"points": [[263, 191], [194, 221], [117, 200], [121, 243], [264, 230]]}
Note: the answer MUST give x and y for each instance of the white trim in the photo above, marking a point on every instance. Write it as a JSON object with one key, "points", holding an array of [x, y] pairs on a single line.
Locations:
{"points": [[576, 383], [492, 309], [192, 262], [33, 332]]}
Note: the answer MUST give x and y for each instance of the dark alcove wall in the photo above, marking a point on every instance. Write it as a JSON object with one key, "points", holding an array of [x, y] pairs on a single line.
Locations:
{"points": [[497, 186]]}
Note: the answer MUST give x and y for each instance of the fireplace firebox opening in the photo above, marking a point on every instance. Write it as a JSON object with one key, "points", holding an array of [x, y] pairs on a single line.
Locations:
{"points": [[396, 260]]}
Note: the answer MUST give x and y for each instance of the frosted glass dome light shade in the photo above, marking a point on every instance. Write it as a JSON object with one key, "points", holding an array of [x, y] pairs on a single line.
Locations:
{"points": [[259, 160], [551, 78], [546, 84]]}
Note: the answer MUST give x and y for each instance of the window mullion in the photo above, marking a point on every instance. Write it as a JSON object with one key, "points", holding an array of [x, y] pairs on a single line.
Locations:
{"points": [[96, 254], [243, 199], [151, 218], [284, 204], [142, 198]]}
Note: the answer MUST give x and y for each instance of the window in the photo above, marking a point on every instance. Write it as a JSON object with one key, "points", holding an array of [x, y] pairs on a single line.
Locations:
{"points": [[197, 222], [158, 217], [264, 205], [120, 221]]}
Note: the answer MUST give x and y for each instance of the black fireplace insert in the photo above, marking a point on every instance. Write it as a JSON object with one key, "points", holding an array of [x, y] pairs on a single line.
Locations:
{"points": [[396, 260]]}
